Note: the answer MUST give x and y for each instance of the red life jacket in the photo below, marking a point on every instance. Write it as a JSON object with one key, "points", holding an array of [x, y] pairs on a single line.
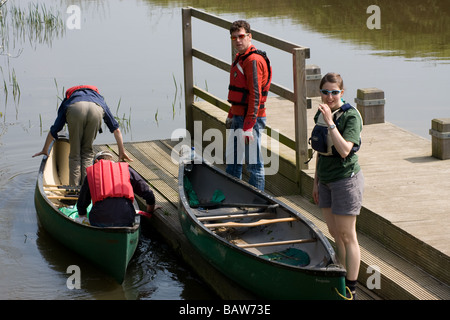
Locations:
{"points": [[108, 179], [70, 91], [238, 91]]}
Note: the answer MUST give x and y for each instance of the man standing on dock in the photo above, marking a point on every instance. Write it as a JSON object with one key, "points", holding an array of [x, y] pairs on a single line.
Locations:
{"points": [[250, 78]]}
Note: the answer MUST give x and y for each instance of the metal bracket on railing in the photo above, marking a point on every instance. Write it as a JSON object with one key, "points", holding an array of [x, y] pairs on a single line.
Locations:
{"points": [[313, 77], [439, 135], [375, 102]]}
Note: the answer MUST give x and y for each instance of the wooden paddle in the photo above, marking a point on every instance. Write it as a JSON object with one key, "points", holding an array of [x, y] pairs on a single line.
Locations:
{"points": [[274, 243], [249, 224]]}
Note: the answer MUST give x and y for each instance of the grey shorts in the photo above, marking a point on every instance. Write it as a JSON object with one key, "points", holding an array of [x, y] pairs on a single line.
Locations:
{"points": [[344, 197]]}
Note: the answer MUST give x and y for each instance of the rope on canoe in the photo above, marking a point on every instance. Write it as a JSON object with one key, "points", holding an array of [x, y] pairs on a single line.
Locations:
{"points": [[344, 297]]}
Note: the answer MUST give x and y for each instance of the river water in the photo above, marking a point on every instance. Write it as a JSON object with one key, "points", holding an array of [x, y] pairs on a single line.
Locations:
{"points": [[131, 50]]}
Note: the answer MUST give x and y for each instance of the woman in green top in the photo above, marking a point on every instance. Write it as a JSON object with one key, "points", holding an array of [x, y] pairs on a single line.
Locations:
{"points": [[338, 180]]}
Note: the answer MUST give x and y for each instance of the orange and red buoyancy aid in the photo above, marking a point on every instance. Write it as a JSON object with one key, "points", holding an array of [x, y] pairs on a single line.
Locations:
{"points": [[70, 91], [108, 179], [246, 78]]}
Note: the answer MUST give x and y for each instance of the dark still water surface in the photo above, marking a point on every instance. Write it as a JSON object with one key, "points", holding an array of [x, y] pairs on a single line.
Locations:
{"points": [[131, 50]]}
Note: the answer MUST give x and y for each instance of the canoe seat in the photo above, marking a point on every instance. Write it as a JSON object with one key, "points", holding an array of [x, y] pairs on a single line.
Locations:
{"points": [[67, 195], [54, 187], [233, 215]]}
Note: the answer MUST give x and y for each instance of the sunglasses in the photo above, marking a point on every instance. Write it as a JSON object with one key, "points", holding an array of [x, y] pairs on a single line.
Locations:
{"points": [[241, 36], [333, 92]]}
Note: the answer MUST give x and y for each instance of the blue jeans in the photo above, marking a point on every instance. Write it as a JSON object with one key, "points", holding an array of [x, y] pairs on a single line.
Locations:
{"points": [[253, 156]]}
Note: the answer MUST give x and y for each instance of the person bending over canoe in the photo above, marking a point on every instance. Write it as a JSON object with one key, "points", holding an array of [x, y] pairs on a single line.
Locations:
{"points": [[83, 109], [111, 186]]}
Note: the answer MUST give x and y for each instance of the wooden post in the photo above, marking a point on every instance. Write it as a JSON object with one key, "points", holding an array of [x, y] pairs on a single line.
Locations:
{"points": [[440, 138], [300, 110], [188, 68], [370, 103], [313, 78]]}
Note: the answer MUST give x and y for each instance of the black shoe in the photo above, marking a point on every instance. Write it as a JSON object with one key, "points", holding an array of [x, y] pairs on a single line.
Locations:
{"points": [[351, 295]]}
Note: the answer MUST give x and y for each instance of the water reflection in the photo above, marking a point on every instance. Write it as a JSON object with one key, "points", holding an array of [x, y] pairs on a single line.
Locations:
{"points": [[94, 284], [35, 24], [416, 29], [152, 273]]}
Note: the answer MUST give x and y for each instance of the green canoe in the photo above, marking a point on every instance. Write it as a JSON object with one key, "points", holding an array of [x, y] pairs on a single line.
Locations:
{"points": [[254, 239], [111, 249]]}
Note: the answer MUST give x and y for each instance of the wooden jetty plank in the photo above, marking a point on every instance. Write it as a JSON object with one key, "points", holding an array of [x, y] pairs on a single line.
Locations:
{"points": [[152, 166], [157, 175], [406, 185], [160, 151]]}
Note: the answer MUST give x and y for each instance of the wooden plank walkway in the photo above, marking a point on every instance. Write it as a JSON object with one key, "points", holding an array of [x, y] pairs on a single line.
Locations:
{"points": [[405, 216]]}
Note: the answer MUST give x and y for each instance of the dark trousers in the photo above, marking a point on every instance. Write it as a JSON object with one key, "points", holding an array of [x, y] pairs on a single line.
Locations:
{"points": [[113, 212]]}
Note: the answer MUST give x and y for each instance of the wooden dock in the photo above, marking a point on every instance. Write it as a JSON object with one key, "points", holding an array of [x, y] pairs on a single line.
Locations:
{"points": [[403, 228]]}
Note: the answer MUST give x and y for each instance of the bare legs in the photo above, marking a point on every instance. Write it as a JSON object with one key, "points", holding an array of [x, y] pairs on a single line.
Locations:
{"points": [[343, 230]]}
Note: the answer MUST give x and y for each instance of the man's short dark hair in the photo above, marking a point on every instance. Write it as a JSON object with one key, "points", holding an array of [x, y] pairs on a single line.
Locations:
{"points": [[235, 26]]}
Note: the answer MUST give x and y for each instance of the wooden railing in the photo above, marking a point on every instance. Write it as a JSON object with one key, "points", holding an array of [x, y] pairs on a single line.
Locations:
{"points": [[297, 96]]}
